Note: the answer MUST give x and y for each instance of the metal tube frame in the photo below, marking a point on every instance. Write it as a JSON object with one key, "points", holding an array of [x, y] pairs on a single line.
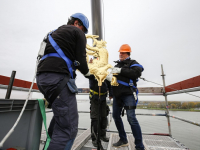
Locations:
{"points": [[188, 121], [184, 91], [166, 102], [9, 90]]}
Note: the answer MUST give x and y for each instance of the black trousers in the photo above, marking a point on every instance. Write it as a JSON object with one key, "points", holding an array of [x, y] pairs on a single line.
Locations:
{"points": [[94, 117], [64, 124]]}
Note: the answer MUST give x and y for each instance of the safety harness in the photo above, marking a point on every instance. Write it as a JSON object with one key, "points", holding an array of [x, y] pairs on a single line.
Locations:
{"points": [[60, 54], [69, 63], [92, 92], [132, 87]]}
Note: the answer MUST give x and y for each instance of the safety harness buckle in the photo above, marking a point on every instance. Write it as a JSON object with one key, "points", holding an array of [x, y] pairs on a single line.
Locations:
{"points": [[76, 63], [131, 84]]}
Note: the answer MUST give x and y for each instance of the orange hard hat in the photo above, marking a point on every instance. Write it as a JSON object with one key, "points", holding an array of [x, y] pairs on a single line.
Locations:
{"points": [[125, 48]]}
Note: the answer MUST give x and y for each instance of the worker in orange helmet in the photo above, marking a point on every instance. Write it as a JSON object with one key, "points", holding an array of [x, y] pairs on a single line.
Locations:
{"points": [[125, 96]]}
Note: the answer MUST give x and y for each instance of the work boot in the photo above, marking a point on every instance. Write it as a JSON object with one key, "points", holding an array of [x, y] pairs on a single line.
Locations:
{"points": [[94, 143], [104, 138], [120, 144]]}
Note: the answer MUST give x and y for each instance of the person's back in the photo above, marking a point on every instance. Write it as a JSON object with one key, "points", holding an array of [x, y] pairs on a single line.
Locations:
{"points": [[64, 53], [68, 38]]}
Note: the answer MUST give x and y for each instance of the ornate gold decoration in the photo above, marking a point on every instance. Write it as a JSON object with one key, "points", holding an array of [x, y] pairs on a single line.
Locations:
{"points": [[114, 80], [100, 65]]}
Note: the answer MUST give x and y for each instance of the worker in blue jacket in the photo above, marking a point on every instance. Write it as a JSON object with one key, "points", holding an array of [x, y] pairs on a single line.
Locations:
{"points": [[125, 96], [64, 53]]}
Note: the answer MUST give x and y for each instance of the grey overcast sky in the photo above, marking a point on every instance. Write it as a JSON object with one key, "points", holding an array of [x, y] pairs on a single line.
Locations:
{"points": [[159, 32]]}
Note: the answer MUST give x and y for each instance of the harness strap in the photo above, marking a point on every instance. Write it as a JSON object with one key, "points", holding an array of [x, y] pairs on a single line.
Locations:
{"points": [[138, 65], [132, 87], [57, 91], [96, 93], [50, 55], [60, 52], [129, 107], [125, 83]]}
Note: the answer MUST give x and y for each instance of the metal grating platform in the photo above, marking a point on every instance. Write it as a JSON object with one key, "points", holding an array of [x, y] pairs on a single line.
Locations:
{"points": [[151, 142], [156, 142]]}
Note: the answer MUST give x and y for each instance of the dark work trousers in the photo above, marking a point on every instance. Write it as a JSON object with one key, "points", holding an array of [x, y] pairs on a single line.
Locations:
{"points": [[128, 100], [64, 124], [94, 117]]}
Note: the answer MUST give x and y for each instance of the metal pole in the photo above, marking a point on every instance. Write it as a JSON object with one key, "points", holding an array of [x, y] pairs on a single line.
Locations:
{"points": [[167, 108], [12, 78], [188, 121], [99, 146], [96, 18], [184, 91]]}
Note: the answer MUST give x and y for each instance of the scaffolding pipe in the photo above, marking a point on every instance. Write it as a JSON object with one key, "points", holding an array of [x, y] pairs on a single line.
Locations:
{"points": [[188, 121], [184, 91], [167, 108], [12, 78]]}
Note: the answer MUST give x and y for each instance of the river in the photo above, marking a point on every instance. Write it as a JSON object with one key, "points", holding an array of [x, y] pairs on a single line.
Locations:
{"points": [[186, 133]]}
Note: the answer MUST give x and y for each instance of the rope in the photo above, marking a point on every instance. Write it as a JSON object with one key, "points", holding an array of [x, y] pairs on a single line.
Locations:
{"points": [[20, 115], [170, 87]]}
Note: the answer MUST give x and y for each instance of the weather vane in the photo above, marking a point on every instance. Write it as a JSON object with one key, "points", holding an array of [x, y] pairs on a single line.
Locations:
{"points": [[99, 66]]}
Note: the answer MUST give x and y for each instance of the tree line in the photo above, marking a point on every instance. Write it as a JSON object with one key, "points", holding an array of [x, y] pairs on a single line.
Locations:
{"points": [[171, 105]]}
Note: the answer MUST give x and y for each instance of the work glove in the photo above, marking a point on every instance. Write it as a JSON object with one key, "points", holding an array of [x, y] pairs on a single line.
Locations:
{"points": [[87, 74], [116, 70], [109, 77]]}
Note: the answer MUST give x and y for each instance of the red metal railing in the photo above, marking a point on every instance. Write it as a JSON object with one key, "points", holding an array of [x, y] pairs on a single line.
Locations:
{"points": [[17, 82]]}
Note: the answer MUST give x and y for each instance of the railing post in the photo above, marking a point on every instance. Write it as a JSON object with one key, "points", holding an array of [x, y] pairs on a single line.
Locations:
{"points": [[12, 78], [166, 102]]}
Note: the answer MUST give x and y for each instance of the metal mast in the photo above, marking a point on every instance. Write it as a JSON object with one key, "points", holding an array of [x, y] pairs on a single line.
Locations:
{"points": [[97, 18], [97, 30]]}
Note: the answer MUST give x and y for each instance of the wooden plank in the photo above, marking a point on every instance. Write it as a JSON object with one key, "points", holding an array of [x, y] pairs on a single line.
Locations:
{"points": [[131, 141], [81, 140], [150, 89]]}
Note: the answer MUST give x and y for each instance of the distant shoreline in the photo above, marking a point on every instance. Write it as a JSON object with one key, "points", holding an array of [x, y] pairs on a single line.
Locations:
{"points": [[192, 110]]}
